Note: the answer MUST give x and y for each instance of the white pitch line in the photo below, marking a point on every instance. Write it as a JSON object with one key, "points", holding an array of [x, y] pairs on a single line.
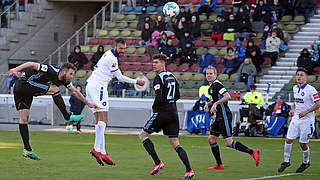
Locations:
{"points": [[275, 176]]}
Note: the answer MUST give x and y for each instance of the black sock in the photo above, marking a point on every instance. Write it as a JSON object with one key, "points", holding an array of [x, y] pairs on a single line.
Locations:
{"points": [[240, 147], [216, 152], [58, 100], [78, 126], [184, 157], [148, 145], [24, 132]]}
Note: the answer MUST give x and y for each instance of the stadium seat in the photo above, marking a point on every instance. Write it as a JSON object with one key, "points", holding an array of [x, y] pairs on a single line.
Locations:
{"points": [[257, 42], [194, 2], [231, 43], [141, 51], [286, 19], [219, 68], [151, 75], [219, 60], [293, 79], [223, 51], [124, 67], [311, 78], [80, 73], [182, 2], [223, 77], [205, 27], [198, 43], [94, 49], [136, 34], [221, 43], [177, 75], [227, 85], [227, 2], [85, 49], [135, 67], [145, 59], [208, 43], [194, 68], [87, 66], [281, 26], [147, 67], [123, 58], [198, 77], [240, 86], [118, 17], [233, 77], [186, 76], [105, 41], [159, 9], [89, 56], [175, 42], [133, 25], [111, 25], [128, 9], [128, 74], [122, 25], [213, 51], [130, 50], [286, 35], [93, 41], [212, 18], [267, 61], [199, 51], [133, 59], [88, 74], [125, 33], [102, 33], [114, 33], [172, 67], [107, 48], [288, 86], [299, 19], [220, 2], [316, 70], [151, 9], [138, 9], [291, 27], [131, 17], [203, 18], [183, 68]]}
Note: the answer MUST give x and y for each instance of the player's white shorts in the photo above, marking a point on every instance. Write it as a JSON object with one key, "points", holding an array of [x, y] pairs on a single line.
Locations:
{"points": [[99, 95], [301, 128]]}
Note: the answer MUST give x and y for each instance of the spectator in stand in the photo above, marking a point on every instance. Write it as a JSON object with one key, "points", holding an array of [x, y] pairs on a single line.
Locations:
{"points": [[160, 25], [132, 3], [239, 50], [77, 58], [186, 38], [146, 35], [153, 45], [172, 26], [206, 59], [276, 10], [141, 18], [194, 27], [76, 107], [147, 2], [142, 90], [314, 55], [267, 31], [237, 4], [192, 12], [257, 59], [97, 55], [265, 15], [182, 26], [118, 87], [272, 47], [256, 20], [182, 13], [303, 6], [305, 61], [188, 54], [161, 2], [252, 4], [147, 19], [261, 5], [244, 29], [226, 12], [162, 41], [230, 61], [231, 26], [250, 47], [278, 30], [242, 12], [170, 51], [218, 29], [246, 72], [207, 6]]}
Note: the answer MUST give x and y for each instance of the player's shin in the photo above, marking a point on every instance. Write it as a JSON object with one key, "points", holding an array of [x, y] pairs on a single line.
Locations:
{"points": [[240, 147], [24, 132], [306, 155], [184, 157], [58, 100], [216, 152], [287, 151], [148, 145]]}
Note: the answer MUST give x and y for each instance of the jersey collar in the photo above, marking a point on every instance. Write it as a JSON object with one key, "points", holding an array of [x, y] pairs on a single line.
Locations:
{"points": [[303, 86], [114, 52]]}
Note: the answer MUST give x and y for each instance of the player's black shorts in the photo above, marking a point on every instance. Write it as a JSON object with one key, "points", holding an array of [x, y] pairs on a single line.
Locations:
{"points": [[23, 93], [166, 121], [222, 125]]}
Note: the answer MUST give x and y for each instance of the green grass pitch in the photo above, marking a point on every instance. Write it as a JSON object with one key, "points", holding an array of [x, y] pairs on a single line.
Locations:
{"points": [[66, 156]]}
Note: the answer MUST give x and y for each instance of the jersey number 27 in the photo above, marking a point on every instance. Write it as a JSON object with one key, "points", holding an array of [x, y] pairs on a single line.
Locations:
{"points": [[172, 89]]}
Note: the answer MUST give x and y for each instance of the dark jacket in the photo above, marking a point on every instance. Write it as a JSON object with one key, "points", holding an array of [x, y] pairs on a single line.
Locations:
{"points": [[206, 59], [146, 34], [76, 105], [96, 56], [303, 4], [244, 25], [188, 51], [253, 47], [218, 27], [194, 29], [231, 24], [169, 50], [305, 62], [78, 59], [160, 26], [285, 109]]}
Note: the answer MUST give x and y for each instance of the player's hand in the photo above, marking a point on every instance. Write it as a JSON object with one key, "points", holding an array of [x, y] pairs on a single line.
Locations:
{"points": [[291, 113], [140, 82], [206, 108], [153, 110], [213, 108], [92, 105], [14, 72], [302, 114]]}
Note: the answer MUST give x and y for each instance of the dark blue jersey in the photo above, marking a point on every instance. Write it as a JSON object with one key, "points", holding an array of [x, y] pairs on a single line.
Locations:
{"points": [[216, 91]]}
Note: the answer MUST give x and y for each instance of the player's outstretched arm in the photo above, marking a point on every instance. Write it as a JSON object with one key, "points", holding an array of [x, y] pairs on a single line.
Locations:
{"points": [[16, 71], [78, 95]]}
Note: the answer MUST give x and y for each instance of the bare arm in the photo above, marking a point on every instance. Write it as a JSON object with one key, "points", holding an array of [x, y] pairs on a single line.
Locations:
{"points": [[16, 71], [292, 109], [313, 108], [78, 95]]}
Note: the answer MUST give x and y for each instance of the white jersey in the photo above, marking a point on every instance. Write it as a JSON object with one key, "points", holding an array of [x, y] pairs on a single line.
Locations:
{"points": [[304, 98], [106, 68]]}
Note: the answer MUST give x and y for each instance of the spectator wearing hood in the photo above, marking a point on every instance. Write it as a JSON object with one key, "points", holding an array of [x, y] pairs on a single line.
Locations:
{"points": [[162, 41], [278, 30], [239, 50], [186, 38], [97, 55], [206, 59], [207, 6], [305, 61], [192, 12], [153, 45], [170, 51], [160, 25], [218, 29], [256, 58], [261, 5], [188, 54], [272, 47], [172, 26], [230, 62], [77, 58], [141, 18], [246, 71], [194, 27], [149, 20], [265, 15], [146, 35], [244, 28], [251, 46], [266, 32], [182, 13]]}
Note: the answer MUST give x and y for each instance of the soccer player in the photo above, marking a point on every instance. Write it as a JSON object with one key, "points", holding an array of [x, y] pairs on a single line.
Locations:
{"points": [[97, 93], [165, 115], [39, 79], [306, 101], [222, 123]]}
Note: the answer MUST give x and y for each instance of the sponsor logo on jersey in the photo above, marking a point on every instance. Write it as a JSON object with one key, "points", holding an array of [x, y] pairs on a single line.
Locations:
{"points": [[298, 100], [44, 68], [156, 87], [114, 65]]}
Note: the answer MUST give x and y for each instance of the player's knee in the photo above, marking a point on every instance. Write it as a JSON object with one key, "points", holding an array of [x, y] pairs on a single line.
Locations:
{"points": [[228, 144], [212, 139], [304, 146], [289, 141], [143, 135]]}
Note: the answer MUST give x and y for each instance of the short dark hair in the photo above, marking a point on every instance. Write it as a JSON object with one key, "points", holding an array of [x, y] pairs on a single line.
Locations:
{"points": [[302, 69], [68, 65], [119, 41], [162, 57]]}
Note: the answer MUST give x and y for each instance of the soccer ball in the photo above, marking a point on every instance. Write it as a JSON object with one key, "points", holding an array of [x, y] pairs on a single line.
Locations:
{"points": [[171, 9], [69, 127]]}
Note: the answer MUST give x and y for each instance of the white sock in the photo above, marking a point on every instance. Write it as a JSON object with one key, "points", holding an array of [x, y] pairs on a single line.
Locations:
{"points": [[97, 139], [287, 151], [102, 127], [306, 155]]}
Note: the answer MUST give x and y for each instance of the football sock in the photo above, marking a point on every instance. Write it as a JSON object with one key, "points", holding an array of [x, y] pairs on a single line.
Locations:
{"points": [[240, 147], [97, 139], [148, 145], [184, 157], [216, 152], [287, 151], [306, 155], [102, 126], [24, 132], [58, 100], [78, 126]]}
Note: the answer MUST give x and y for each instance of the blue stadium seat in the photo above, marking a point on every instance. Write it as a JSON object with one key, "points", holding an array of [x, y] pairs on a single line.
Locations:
{"points": [[151, 9], [21, 8], [138, 9], [218, 10], [159, 9], [128, 9]]}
